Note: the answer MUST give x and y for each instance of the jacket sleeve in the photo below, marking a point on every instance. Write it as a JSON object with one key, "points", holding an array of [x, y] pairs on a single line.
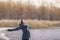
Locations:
{"points": [[14, 29]]}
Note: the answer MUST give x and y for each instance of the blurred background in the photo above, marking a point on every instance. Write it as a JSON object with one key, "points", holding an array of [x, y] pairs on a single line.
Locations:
{"points": [[31, 10]]}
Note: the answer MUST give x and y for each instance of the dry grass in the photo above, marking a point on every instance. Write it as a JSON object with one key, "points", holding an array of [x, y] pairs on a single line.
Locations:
{"points": [[8, 23], [39, 24], [32, 23]]}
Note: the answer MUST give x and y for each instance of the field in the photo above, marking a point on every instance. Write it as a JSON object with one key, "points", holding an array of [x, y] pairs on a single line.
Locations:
{"points": [[33, 23]]}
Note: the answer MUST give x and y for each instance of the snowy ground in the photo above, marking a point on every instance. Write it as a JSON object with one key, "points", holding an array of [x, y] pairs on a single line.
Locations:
{"points": [[36, 34]]}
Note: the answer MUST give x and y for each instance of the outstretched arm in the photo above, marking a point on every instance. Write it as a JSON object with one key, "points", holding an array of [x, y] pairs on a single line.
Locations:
{"points": [[14, 29]]}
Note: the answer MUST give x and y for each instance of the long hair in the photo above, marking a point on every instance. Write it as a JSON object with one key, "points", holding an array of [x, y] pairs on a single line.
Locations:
{"points": [[21, 21]]}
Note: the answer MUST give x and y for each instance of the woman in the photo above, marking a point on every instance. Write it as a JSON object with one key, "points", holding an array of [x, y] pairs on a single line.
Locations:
{"points": [[25, 30]]}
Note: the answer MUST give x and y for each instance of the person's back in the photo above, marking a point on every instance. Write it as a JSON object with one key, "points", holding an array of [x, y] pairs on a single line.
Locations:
{"points": [[25, 30]]}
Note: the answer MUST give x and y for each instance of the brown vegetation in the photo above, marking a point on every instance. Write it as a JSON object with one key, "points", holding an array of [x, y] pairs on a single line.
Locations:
{"points": [[14, 11], [33, 23]]}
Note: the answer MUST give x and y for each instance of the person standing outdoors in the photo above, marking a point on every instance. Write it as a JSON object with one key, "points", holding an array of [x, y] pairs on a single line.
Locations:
{"points": [[25, 29]]}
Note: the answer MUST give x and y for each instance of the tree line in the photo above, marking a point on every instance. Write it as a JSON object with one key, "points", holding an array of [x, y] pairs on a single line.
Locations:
{"points": [[15, 11]]}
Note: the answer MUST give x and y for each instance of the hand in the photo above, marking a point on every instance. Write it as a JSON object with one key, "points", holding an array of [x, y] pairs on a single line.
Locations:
{"points": [[9, 30]]}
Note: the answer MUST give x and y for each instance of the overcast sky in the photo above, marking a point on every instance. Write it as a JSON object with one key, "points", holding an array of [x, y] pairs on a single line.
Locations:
{"points": [[37, 3]]}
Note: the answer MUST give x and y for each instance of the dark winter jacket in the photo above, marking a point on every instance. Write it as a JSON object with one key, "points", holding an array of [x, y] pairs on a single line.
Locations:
{"points": [[25, 30]]}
